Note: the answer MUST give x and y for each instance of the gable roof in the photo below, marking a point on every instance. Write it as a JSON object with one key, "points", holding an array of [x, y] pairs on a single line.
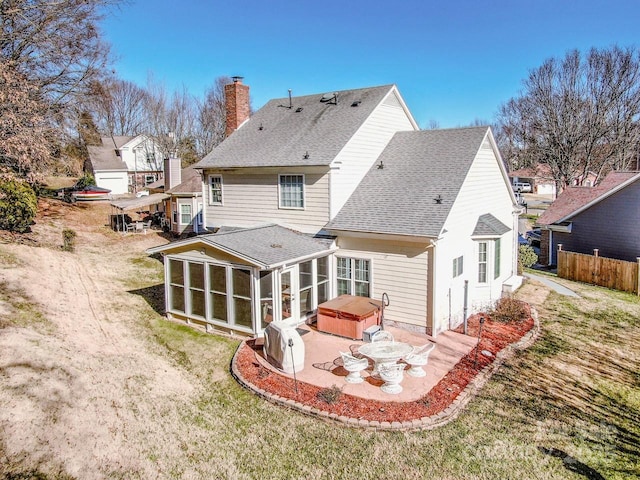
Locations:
{"points": [[417, 168], [303, 132], [103, 157], [266, 246], [489, 226], [574, 200]]}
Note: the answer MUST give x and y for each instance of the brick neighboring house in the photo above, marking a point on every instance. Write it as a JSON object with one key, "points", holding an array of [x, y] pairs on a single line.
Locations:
{"points": [[605, 217]]}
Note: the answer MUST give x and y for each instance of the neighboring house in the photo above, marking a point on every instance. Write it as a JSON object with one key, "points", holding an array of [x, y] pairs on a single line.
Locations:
{"points": [[321, 195], [125, 164], [605, 217], [542, 181], [540, 178], [183, 209]]}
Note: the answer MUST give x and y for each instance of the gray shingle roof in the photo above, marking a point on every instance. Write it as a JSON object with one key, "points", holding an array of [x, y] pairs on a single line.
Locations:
{"points": [[418, 167], [280, 136], [488, 225], [191, 182], [264, 246], [103, 157]]}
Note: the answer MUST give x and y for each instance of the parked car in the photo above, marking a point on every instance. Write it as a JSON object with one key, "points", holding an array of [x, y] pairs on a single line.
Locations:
{"points": [[533, 237], [524, 187]]}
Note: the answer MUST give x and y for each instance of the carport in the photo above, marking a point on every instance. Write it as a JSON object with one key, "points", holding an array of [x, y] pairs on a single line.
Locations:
{"points": [[120, 207]]}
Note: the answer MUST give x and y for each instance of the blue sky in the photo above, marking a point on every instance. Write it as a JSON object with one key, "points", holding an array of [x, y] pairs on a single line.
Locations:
{"points": [[454, 61]]}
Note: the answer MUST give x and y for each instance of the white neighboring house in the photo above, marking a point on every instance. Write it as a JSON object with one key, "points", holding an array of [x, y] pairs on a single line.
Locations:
{"points": [[322, 195], [125, 164]]}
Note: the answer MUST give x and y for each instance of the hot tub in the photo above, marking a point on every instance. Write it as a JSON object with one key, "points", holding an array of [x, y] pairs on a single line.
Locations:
{"points": [[348, 315]]}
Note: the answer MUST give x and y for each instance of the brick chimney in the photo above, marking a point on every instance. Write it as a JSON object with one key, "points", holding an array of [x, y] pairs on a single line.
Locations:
{"points": [[237, 104]]}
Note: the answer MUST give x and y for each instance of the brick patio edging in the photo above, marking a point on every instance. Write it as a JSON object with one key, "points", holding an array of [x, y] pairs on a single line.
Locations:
{"points": [[425, 423]]}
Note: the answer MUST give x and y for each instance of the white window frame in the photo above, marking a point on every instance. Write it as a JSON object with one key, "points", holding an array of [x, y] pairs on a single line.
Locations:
{"points": [[210, 187], [483, 259], [352, 270], [181, 213], [281, 192]]}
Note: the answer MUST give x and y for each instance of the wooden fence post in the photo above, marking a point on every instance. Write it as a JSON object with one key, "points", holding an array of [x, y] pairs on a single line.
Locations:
{"points": [[638, 277]]}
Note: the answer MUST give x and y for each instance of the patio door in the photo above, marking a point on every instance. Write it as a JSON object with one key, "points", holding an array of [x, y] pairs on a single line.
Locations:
{"points": [[289, 296]]}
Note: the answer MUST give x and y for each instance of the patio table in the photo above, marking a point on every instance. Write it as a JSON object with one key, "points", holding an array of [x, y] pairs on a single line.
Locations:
{"points": [[385, 352]]}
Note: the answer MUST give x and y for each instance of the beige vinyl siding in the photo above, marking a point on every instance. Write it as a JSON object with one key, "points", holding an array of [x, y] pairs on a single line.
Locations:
{"points": [[362, 151], [484, 191], [397, 268], [250, 197]]}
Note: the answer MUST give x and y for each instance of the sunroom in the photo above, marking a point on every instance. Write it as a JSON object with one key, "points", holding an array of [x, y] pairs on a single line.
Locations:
{"points": [[240, 280]]}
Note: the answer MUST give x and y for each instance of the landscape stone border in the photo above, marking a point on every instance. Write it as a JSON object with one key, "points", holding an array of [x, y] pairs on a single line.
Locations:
{"points": [[424, 423]]}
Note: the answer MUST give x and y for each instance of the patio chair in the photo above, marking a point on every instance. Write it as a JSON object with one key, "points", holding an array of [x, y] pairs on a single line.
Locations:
{"points": [[418, 358], [354, 366], [391, 374], [131, 227], [382, 335], [146, 226]]}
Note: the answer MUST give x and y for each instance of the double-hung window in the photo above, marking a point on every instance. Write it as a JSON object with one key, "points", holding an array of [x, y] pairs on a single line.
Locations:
{"points": [[353, 276], [482, 262], [185, 214], [291, 191], [215, 190]]}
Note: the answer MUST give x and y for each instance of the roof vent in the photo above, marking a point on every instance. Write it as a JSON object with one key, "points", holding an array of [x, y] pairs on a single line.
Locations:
{"points": [[298, 110], [306, 155], [356, 103], [260, 127], [438, 199], [331, 98]]}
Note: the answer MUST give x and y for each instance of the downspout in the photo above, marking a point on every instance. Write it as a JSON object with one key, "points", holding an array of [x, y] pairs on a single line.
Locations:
{"points": [[515, 244], [431, 289]]}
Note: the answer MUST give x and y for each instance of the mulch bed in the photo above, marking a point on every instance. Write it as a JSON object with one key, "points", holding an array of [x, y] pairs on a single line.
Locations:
{"points": [[495, 337]]}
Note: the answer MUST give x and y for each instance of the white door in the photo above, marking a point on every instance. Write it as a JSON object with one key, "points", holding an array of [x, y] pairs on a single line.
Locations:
{"points": [[289, 296]]}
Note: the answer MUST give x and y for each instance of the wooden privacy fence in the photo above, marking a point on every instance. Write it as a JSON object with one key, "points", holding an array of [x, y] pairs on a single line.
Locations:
{"points": [[596, 270]]}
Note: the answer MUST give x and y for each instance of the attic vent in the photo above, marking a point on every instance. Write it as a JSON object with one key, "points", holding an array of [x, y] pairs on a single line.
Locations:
{"points": [[298, 110], [438, 199], [356, 103], [330, 98], [118, 153]]}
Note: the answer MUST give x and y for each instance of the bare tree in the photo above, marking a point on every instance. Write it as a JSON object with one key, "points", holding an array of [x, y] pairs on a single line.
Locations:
{"points": [[211, 124], [170, 120], [119, 106], [577, 114], [24, 130], [55, 43]]}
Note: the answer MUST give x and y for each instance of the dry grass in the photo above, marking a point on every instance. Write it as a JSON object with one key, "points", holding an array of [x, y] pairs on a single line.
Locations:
{"points": [[160, 403]]}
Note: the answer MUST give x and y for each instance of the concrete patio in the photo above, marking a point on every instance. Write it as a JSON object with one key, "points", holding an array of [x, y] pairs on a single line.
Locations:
{"points": [[323, 364]]}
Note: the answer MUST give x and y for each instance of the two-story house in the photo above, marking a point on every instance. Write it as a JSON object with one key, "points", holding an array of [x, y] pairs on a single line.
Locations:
{"points": [[125, 164], [321, 195]]}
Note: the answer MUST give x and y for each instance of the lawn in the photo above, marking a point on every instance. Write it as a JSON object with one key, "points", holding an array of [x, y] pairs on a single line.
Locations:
{"points": [[566, 408]]}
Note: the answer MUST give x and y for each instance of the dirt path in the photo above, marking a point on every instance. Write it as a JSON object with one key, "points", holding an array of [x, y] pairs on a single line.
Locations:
{"points": [[71, 385]]}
